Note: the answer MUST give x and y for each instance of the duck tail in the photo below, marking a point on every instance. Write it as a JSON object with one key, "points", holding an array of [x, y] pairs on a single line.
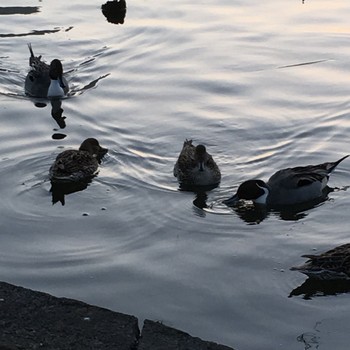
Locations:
{"points": [[187, 142], [30, 49], [332, 166], [32, 59]]}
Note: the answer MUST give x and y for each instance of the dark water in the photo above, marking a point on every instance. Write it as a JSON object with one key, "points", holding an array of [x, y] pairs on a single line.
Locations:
{"points": [[265, 85]]}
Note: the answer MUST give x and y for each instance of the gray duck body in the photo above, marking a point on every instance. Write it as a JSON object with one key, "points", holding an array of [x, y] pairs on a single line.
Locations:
{"points": [[288, 186]]}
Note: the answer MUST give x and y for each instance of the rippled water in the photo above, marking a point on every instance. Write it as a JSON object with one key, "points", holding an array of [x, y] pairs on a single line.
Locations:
{"points": [[265, 85]]}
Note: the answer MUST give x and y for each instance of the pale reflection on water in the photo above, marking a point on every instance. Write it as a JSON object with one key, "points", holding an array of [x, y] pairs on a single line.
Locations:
{"points": [[264, 85]]}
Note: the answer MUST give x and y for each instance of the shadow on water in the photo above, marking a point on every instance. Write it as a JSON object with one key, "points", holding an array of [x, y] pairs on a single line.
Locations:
{"points": [[19, 10], [200, 201], [34, 32], [253, 213], [311, 340], [56, 110], [312, 288], [114, 11], [88, 86], [60, 189], [57, 113]]}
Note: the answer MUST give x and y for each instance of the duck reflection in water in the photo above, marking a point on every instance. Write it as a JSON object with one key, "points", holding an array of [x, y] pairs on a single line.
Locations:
{"points": [[57, 112], [315, 288], [60, 189], [73, 170], [329, 273], [114, 11], [251, 212]]}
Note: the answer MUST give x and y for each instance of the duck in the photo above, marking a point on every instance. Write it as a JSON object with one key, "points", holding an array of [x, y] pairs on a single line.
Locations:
{"points": [[287, 186], [334, 264], [45, 80], [196, 167], [78, 165]]}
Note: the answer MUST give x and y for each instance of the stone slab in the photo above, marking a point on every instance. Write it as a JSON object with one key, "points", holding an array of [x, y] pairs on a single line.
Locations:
{"points": [[34, 320], [157, 336]]}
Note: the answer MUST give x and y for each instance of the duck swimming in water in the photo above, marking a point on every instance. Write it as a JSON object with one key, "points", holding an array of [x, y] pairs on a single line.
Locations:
{"points": [[78, 165], [288, 186], [331, 265], [45, 80], [196, 167]]}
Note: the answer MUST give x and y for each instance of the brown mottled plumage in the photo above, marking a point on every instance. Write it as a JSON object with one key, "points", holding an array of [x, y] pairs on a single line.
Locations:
{"points": [[196, 167], [77, 165], [333, 264]]}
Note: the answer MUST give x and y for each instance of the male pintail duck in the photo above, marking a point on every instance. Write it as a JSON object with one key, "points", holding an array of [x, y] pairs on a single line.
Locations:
{"points": [[45, 80], [196, 167], [78, 165], [287, 186], [333, 264]]}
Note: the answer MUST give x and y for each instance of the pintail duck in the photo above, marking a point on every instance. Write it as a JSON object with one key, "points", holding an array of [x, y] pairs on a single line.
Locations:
{"points": [[45, 80], [288, 186], [333, 264], [78, 165], [196, 167]]}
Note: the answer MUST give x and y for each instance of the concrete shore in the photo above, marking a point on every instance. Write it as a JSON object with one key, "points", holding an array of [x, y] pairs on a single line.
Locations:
{"points": [[35, 320]]}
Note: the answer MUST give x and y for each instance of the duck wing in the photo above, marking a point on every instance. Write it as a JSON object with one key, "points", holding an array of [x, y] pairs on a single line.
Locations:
{"points": [[74, 164], [302, 176], [186, 159], [335, 262]]}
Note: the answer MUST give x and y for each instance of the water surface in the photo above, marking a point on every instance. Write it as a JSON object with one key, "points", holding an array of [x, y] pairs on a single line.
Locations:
{"points": [[264, 85]]}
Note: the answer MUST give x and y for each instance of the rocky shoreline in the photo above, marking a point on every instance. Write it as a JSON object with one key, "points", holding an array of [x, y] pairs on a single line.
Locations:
{"points": [[34, 320]]}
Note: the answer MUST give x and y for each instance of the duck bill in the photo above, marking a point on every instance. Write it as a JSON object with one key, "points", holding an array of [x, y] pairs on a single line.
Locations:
{"points": [[231, 201], [103, 151]]}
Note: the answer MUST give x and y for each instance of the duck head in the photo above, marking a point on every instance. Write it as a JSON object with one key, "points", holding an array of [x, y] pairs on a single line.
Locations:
{"points": [[92, 146], [254, 190], [57, 86], [56, 72], [201, 156]]}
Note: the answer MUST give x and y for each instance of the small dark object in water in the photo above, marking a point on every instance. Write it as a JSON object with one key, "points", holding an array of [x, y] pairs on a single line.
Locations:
{"points": [[40, 104], [114, 11], [58, 136]]}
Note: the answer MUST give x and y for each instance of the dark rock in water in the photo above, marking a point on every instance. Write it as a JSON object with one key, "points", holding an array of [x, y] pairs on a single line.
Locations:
{"points": [[114, 11]]}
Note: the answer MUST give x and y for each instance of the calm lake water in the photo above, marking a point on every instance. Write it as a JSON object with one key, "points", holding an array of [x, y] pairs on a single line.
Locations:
{"points": [[264, 85]]}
